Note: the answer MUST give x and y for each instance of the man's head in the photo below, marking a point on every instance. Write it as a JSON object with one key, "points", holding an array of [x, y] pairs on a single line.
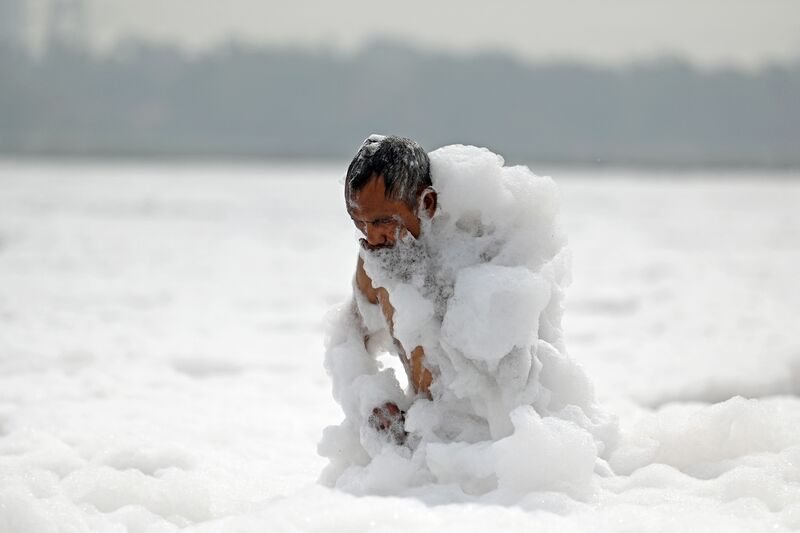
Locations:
{"points": [[387, 190]]}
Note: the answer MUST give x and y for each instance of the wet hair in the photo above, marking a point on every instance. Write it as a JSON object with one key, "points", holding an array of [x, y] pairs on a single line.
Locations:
{"points": [[404, 165]]}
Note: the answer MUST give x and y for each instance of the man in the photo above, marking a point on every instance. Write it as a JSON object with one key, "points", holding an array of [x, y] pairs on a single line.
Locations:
{"points": [[469, 295], [388, 191]]}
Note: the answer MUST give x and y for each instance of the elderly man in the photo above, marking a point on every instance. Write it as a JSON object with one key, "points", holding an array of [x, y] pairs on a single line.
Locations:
{"points": [[387, 191], [465, 284]]}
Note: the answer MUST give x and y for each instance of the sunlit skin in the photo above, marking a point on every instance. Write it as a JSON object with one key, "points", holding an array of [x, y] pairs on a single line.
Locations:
{"points": [[382, 221]]}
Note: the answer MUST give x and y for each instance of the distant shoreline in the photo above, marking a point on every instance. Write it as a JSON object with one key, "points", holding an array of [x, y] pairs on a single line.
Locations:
{"points": [[150, 101]]}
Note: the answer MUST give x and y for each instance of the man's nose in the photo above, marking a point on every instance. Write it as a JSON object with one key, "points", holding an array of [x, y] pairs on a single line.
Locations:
{"points": [[375, 236]]}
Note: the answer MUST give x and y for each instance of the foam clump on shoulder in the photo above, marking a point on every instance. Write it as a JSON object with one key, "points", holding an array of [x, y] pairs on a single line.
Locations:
{"points": [[481, 292], [489, 311]]}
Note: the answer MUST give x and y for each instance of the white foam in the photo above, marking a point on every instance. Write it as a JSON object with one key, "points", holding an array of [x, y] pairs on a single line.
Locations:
{"points": [[160, 358]]}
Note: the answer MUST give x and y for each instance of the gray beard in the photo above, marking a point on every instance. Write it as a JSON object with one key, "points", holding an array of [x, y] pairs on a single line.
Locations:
{"points": [[405, 262], [409, 261]]}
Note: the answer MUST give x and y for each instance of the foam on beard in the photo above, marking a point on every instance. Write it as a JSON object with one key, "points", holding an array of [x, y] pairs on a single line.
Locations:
{"points": [[404, 262], [480, 290]]}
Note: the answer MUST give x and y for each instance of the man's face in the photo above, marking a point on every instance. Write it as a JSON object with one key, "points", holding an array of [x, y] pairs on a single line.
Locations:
{"points": [[380, 219]]}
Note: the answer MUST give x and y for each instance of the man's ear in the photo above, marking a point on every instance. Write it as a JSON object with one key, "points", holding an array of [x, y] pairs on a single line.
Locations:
{"points": [[428, 201]]}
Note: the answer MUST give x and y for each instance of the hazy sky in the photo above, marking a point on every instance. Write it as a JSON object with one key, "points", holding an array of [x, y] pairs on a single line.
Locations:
{"points": [[708, 31]]}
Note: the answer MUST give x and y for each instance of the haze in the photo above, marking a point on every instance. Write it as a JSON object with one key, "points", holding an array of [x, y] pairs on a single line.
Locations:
{"points": [[712, 32]]}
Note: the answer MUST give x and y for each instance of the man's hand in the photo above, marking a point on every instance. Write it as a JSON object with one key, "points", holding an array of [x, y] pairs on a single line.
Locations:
{"points": [[391, 419]]}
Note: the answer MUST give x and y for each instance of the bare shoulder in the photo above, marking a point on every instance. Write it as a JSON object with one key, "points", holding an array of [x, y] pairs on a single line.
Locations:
{"points": [[364, 283]]}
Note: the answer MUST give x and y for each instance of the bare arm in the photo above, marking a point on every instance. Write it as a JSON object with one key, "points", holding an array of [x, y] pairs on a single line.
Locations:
{"points": [[419, 376], [364, 283]]}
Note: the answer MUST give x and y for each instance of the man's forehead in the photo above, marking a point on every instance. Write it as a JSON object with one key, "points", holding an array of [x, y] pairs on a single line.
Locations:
{"points": [[369, 211], [371, 198]]}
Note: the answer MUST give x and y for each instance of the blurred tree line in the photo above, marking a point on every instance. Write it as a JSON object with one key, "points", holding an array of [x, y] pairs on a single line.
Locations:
{"points": [[151, 100]]}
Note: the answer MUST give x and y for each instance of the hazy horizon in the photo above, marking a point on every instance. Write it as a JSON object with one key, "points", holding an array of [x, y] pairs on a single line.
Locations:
{"points": [[279, 103], [746, 34]]}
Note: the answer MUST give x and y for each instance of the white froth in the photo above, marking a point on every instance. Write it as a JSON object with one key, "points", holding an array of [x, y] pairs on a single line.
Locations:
{"points": [[160, 367]]}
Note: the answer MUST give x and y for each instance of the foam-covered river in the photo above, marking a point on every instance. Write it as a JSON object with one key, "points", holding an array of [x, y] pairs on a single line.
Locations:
{"points": [[161, 351]]}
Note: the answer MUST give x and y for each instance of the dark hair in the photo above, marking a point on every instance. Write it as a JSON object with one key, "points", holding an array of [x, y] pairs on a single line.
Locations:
{"points": [[404, 165]]}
